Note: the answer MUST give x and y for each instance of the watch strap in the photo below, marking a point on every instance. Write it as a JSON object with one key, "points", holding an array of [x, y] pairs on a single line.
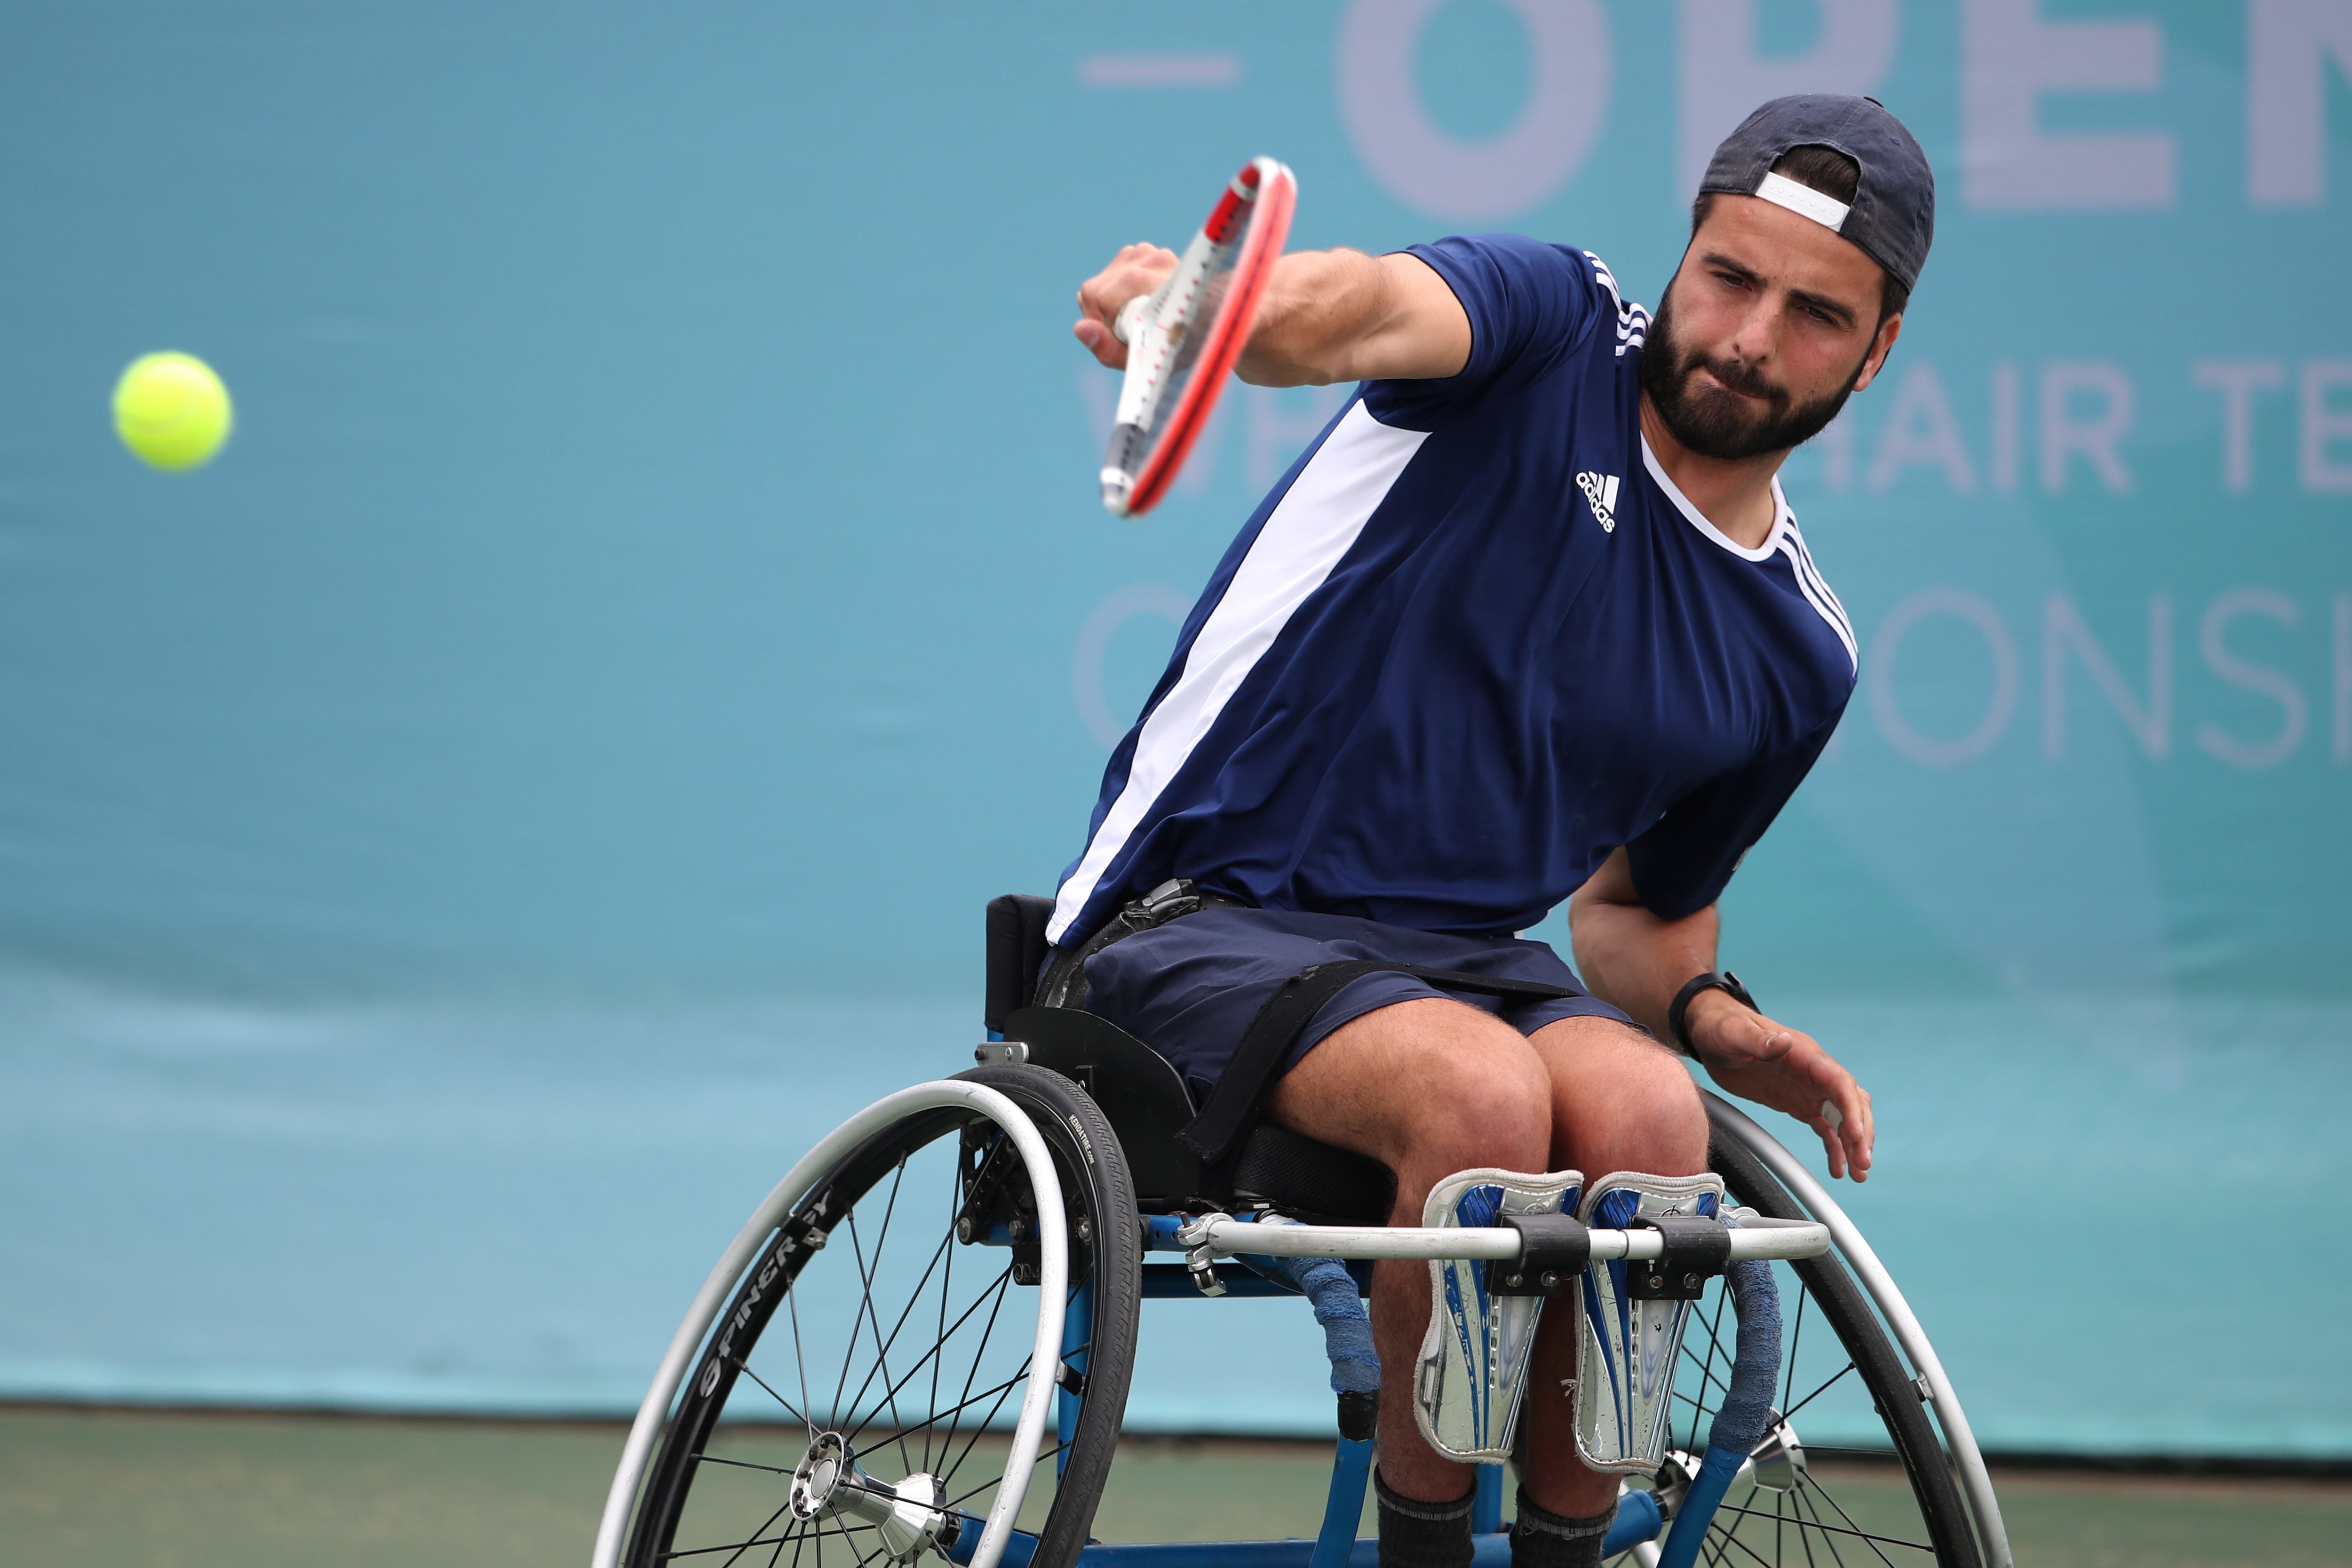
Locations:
{"points": [[1727, 983]]}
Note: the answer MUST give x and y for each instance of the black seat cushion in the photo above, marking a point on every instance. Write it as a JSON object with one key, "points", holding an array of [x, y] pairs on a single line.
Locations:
{"points": [[1311, 1181], [1145, 1101], [1148, 1104]]}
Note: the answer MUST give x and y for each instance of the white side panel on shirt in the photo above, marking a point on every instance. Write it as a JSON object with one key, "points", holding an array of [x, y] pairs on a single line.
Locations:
{"points": [[1314, 525]]}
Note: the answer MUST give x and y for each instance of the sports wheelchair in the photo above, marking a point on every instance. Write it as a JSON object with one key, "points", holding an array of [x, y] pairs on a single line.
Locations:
{"points": [[920, 1343]]}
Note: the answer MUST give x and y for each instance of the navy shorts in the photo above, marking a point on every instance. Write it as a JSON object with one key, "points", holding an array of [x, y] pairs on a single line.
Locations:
{"points": [[1190, 988]]}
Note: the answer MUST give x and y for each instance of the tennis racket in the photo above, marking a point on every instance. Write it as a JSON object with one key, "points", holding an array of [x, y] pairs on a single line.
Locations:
{"points": [[1183, 337]]}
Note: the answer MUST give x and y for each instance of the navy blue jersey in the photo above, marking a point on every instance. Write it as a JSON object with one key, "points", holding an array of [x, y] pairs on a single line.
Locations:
{"points": [[1473, 641]]}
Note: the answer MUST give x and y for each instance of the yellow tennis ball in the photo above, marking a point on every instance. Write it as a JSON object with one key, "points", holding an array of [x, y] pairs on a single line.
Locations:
{"points": [[172, 410]]}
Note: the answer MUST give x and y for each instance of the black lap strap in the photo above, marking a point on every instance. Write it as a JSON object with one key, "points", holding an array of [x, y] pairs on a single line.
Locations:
{"points": [[1234, 1104]]}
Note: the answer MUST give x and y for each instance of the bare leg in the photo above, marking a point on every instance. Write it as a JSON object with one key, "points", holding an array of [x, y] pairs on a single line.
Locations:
{"points": [[1428, 1087], [1620, 1101]]}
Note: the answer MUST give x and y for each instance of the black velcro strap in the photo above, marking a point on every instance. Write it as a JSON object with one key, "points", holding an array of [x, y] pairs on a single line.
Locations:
{"points": [[1234, 1104], [1696, 1249], [1553, 1250]]}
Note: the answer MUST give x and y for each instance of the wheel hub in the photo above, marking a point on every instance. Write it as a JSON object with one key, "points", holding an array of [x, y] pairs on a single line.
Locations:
{"points": [[1777, 1464], [909, 1516]]}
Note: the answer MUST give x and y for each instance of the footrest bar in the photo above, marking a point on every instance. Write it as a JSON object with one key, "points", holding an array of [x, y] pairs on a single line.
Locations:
{"points": [[1225, 1237]]}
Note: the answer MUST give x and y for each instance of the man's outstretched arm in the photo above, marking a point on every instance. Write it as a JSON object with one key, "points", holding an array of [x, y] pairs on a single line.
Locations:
{"points": [[1327, 316], [1632, 959]]}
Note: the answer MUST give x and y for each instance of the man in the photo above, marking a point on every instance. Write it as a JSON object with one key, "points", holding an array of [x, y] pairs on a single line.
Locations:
{"points": [[1530, 622]]}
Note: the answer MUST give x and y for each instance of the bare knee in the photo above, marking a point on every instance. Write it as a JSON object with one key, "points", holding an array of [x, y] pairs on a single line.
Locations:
{"points": [[1431, 1087], [1490, 1110], [1662, 1117], [1622, 1102]]}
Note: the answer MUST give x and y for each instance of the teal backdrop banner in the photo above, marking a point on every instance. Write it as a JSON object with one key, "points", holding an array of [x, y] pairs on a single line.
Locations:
{"points": [[459, 847]]}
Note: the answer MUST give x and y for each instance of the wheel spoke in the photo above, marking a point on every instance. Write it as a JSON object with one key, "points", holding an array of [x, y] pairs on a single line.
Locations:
{"points": [[743, 1366], [1825, 1527], [739, 1548], [1795, 1341], [873, 1319], [1002, 1280], [1706, 1368], [777, 1555], [866, 1284], [1042, 1455], [1001, 1395], [799, 1531], [1853, 1527], [1730, 1540], [947, 1280], [1817, 1393], [1814, 1522], [891, 1389], [799, 1353], [1707, 1382], [1003, 1284], [740, 1464], [924, 1425]]}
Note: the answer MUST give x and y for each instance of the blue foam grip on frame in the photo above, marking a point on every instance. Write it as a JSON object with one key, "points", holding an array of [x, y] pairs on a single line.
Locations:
{"points": [[1746, 1411], [1339, 1308]]}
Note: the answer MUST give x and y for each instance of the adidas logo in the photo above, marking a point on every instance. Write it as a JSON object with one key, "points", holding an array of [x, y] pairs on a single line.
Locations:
{"points": [[1600, 493]]}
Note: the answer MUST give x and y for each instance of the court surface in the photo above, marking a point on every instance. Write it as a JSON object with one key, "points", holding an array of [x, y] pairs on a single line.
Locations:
{"points": [[96, 1488]]}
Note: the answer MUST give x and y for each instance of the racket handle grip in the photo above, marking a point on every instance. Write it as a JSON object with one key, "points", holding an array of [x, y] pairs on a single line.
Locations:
{"points": [[1130, 320]]}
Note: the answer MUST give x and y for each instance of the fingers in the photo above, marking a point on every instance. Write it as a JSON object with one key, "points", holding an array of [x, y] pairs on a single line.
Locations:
{"points": [[1843, 1121], [1860, 1132], [1785, 1068], [1101, 343], [1135, 270]]}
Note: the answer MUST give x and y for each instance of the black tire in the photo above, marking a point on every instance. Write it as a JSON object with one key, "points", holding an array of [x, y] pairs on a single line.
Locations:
{"points": [[697, 1503], [1921, 1520], [1087, 1157]]}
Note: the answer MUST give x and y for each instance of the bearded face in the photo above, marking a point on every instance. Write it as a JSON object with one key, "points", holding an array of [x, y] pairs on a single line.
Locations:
{"points": [[1711, 416]]}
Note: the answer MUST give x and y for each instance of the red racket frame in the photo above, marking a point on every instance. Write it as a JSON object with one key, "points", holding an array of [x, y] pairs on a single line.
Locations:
{"points": [[1276, 200]]}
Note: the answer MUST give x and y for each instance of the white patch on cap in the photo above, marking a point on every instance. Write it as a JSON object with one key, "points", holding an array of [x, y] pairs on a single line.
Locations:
{"points": [[1803, 200]]}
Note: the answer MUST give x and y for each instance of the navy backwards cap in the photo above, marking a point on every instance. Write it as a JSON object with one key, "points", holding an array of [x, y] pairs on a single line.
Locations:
{"points": [[1893, 214]]}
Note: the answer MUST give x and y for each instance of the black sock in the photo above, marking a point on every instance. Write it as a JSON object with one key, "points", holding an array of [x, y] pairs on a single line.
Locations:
{"points": [[1416, 1534], [1541, 1538]]}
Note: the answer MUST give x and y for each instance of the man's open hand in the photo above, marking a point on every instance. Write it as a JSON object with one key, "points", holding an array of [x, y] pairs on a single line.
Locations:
{"points": [[1136, 270], [1787, 1069]]}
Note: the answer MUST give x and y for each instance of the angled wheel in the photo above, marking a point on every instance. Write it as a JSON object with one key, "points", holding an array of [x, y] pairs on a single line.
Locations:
{"points": [[860, 1399], [1853, 1472]]}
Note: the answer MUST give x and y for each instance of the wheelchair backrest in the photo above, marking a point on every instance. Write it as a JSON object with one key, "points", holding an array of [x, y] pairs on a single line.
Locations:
{"points": [[1016, 951]]}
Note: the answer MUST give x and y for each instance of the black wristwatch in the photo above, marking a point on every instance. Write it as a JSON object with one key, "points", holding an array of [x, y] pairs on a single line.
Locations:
{"points": [[1727, 983]]}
